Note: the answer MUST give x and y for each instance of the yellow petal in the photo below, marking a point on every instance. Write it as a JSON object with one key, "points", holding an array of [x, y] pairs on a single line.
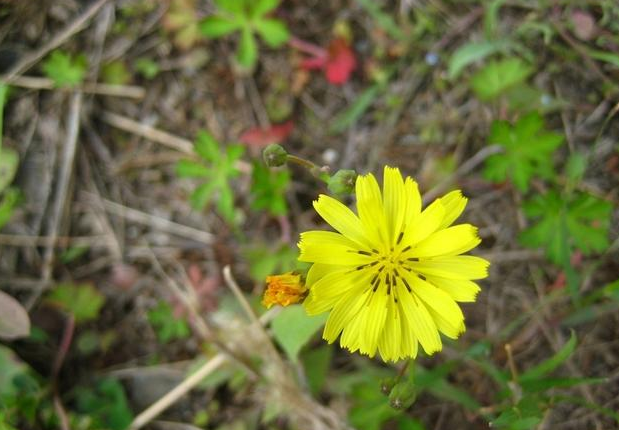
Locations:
{"points": [[420, 321], [341, 218], [343, 312], [460, 290], [428, 222], [370, 208], [328, 290], [394, 202], [373, 316], [439, 301], [450, 241], [319, 270], [329, 248], [390, 338], [454, 203], [457, 267]]}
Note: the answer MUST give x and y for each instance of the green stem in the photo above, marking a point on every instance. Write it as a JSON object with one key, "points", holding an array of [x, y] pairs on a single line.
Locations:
{"points": [[311, 167]]}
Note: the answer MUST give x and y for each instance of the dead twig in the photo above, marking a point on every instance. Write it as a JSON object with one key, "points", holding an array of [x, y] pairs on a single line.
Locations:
{"points": [[60, 195], [155, 222], [74, 27], [40, 83]]}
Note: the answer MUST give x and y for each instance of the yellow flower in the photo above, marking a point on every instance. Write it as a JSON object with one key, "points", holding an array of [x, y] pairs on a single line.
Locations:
{"points": [[284, 290], [392, 275]]}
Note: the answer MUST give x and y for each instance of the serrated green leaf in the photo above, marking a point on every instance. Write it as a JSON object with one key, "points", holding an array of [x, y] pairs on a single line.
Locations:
{"points": [[268, 189], [499, 76], [83, 301], [207, 147], [191, 169], [105, 404], [234, 7], [225, 203], [166, 324], [528, 151], [293, 329], [247, 52], [218, 26], [64, 70], [202, 195], [262, 7], [273, 31], [552, 363], [472, 52], [564, 223]]}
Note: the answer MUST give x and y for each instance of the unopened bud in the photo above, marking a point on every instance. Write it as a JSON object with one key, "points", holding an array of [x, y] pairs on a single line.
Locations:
{"points": [[343, 182], [274, 155], [402, 395], [386, 385]]}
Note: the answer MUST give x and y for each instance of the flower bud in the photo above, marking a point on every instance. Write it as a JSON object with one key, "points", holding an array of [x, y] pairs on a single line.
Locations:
{"points": [[386, 385], [285, 289], [343, 182], [274, 155], [402, 395]]}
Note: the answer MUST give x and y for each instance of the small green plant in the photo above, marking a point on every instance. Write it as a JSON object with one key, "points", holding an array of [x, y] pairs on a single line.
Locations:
{"points": [[268, 189], [167, 326], [218, 169], [566, 222], [248, 17], [66, 71], [104, 404], [528, 151], [83, 301], [497, 77]]}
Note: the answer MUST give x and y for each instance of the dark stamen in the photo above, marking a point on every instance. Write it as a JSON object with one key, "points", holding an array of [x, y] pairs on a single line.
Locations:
{"points": [[406, 249], [400, 236], [374, 251], [374, 279], [413, 259], [363, 253], [422, 277], [408, 287]]}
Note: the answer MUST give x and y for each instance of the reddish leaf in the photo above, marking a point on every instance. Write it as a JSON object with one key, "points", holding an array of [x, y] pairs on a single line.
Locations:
{"points": [[261, 137], [340, 63]]}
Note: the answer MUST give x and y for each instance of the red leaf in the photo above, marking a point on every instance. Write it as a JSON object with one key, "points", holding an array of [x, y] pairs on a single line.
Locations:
{"points": [[340, 63], [261, 137]]}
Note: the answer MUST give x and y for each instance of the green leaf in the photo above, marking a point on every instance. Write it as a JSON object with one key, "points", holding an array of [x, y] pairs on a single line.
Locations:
{"points": [[262, 7], [207, 147], [472, 52], [8, 202], [247, 52], [166, 325], [202, 195], [105, 404], [264, 261], [83, 301], [552, 363], [234, 7], [218, 26], [293, 329], [543, 384], [499, 76], [225, 204], [434, 380], [9, 160], [191, 169], [273, 31], [357, 109], [382, 19], [316, 364], [268, 189], [64, 70], [575, 168], [528, 151], [578, 220]]}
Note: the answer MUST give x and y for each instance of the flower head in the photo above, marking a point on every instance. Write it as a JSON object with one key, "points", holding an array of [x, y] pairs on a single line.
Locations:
{"points": [[284, 290], [391, 275]]}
